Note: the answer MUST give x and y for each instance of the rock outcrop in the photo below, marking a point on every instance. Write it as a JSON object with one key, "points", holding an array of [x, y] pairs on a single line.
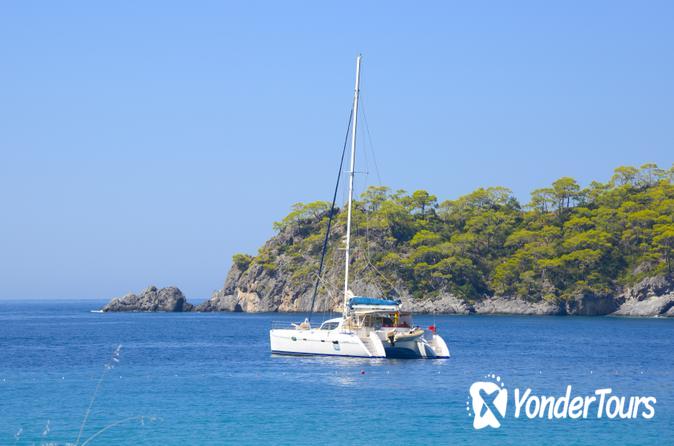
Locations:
{"points": [[589, 304], [168, 299], [444, 303], [653, 296], [508, 305]]}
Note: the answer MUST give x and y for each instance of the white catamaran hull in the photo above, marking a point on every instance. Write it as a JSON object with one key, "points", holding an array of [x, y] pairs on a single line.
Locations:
{"points": [[326, 343], [343, 343]]}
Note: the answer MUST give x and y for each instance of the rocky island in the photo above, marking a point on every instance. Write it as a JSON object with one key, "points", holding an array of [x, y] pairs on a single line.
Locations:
{"points": [[606, 249], [168, 299]]}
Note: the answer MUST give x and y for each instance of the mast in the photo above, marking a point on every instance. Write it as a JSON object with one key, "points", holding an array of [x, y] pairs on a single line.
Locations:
{"points": [[351, 174]]}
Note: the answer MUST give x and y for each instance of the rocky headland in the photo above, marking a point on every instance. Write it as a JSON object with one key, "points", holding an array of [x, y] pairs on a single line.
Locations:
{"points": [[607, 249]]}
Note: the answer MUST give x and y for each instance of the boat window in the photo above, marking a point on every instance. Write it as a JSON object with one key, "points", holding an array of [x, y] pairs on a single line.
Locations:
{"points": [[329, 325]]}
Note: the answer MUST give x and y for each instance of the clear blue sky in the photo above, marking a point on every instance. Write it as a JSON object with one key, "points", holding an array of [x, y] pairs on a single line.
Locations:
{"points": [[146, 142]]}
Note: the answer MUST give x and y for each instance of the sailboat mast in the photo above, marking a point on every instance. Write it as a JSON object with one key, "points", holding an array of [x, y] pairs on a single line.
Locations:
{"points": [[351, 174]]}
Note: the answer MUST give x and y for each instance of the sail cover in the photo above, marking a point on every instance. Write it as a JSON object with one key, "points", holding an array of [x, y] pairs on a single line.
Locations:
{"points": [[362, 300]]}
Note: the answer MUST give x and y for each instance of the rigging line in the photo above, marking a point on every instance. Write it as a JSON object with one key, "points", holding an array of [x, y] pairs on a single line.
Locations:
{"points": [[330, 289], [368, 257], [369, 137], [366, 212], [367, 251], [324, 305], [328, 282], [331, 215], [368, 265], [383, 276]]}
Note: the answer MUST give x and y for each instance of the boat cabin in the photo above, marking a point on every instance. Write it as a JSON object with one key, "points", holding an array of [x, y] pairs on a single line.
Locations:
{"points": [[379, 313]]}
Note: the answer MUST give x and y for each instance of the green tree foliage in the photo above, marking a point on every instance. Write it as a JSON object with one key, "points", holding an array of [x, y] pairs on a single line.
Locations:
{"points": [[302, 212], [566, 240], [624, 176], [423, 202], [664, 242], [242, 261]]}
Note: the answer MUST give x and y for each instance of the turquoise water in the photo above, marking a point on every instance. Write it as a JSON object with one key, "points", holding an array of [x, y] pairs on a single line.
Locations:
{"points": [[209, 379]]}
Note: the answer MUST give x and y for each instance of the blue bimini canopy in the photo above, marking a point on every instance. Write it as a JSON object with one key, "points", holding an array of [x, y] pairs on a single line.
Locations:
{"points": [[361, 300]]}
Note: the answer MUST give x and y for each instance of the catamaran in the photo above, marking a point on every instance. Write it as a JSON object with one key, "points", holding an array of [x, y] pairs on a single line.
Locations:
{"points": [[369, 327]]}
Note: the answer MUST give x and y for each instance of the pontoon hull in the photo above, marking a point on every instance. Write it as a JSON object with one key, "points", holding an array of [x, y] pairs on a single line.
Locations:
{"points": [[350, 344], [324, 342], [419, 348]]}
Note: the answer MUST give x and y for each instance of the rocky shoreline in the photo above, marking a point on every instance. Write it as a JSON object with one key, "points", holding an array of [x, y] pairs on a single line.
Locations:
{"points": [[652, 297]]}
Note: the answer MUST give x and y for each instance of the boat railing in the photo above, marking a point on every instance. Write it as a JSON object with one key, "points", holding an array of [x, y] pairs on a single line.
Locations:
{"points": [[291, 324], [282, 324]]}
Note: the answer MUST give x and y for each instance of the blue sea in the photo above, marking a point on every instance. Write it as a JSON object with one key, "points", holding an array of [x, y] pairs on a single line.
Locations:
{"points": [[209, 379]]}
